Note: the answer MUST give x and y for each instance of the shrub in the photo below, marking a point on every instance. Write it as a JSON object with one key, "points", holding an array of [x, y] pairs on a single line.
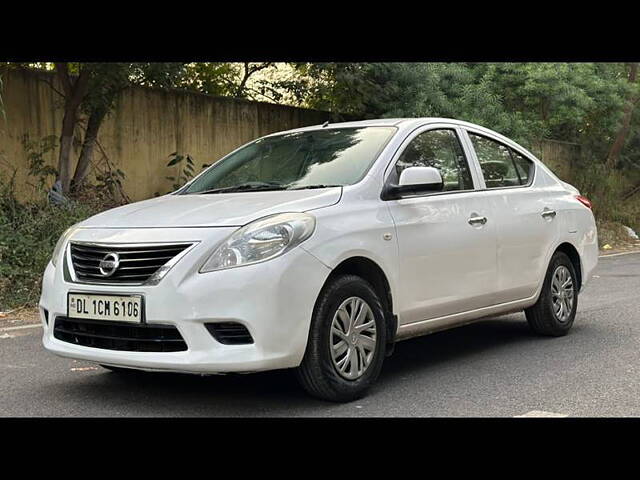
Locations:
{"points": [[606, 189], [28, 234]]}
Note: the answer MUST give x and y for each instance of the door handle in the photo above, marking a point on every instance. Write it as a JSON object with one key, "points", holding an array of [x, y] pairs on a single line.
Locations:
{"points": [[548, 213], [477, 220]]}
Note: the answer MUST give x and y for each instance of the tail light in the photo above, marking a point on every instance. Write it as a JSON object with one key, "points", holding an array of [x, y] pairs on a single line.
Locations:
{"points": [[584, 200]]}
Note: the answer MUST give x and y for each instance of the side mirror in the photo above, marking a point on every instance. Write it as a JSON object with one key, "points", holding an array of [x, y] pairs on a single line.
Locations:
{"points": [[414, 181]]}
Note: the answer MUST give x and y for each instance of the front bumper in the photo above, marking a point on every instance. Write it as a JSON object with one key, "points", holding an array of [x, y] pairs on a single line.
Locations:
{"points": [[274, 300]]}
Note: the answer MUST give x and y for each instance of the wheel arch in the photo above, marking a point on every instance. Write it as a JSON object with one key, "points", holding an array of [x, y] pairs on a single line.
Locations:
{"points": [[572, 252], [370, 271]]}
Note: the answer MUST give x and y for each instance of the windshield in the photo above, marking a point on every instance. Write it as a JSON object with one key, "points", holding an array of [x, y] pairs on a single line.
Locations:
{"points": [[312, 159]]}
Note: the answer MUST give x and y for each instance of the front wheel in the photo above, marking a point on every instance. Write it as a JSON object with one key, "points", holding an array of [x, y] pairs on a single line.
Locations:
{"points": [[555, 310], [347, 337]]}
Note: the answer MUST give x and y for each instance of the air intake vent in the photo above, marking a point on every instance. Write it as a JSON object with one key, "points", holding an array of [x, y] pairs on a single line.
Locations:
{"points": [[118, 263], [229, 333], [119, 336]]}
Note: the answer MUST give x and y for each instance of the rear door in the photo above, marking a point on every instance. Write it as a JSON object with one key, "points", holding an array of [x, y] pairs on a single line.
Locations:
{"points": [[525, 215], [447, 243]]}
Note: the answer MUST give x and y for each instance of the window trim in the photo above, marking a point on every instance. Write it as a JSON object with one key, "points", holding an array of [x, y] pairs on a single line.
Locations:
{"points": [[458, 131], [481, 133]]}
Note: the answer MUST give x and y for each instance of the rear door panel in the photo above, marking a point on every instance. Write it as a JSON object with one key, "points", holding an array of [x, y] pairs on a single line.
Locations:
{"points": [[524, 236], [524, 239]]}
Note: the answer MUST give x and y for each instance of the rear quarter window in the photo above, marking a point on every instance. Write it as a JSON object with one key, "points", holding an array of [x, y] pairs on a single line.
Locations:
{"points": [[501, 165]]}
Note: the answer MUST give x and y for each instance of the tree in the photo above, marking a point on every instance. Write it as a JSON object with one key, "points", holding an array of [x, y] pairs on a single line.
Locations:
{"points": [[224, 79], [93, 92], [248, 70], [74, 90], [623, 132], [108, 80], [576, 102]]}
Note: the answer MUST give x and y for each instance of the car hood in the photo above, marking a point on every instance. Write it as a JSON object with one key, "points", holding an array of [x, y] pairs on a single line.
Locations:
{"points": [[212, 210]]}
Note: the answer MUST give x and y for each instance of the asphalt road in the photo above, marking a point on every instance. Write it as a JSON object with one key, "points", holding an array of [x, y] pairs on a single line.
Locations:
{"points": [[493, 368]]}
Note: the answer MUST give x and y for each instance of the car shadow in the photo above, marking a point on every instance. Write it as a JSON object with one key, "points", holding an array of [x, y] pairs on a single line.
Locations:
{"points": [[458, 344], [277, 393]]}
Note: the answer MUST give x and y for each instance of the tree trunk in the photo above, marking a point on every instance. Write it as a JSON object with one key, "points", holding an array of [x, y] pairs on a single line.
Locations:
{"points": [[248, 71], [621, 137], [66, 142], [88, 146], [74, 94], [243, 82]]}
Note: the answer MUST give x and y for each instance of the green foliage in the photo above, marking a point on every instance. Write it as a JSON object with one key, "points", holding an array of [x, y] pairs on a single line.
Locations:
{"points": [[108, 185], [186, 173], [605, 188], [210, 78], [230, 79], [577, 102], [36, 151], [28, 234]]}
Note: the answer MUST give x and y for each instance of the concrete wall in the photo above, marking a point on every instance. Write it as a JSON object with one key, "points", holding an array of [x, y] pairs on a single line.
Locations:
{"points": [[145, 127]]}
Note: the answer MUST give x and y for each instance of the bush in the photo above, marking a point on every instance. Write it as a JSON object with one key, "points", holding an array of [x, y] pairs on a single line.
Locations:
{"points": [[606, 189], [28, 234]]}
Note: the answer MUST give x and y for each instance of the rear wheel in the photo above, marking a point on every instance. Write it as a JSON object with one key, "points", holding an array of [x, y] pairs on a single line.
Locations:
{"points": [[554, 312], [345, 349]]}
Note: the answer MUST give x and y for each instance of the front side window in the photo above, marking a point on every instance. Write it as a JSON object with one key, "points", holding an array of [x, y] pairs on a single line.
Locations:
{"points": [[440, 149], [311, 159], [501, 166]]}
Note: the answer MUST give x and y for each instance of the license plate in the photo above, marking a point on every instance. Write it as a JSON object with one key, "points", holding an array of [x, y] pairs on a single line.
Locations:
{"points": [[127, 308]]}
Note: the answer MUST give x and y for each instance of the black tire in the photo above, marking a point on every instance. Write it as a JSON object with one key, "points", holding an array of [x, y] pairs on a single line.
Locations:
{"points": [[541, 316], [317, 373]]}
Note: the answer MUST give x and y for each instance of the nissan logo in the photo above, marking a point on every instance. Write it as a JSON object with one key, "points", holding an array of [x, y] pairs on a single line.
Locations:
{"points": [[109, 264]]}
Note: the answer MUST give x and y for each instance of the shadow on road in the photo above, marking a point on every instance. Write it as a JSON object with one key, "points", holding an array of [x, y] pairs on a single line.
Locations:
{"points": [[458, 344], [276, 393]]}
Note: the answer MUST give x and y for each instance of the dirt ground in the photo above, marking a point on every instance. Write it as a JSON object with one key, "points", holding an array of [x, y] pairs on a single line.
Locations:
{"points": [[622, 248], [19, 317]]}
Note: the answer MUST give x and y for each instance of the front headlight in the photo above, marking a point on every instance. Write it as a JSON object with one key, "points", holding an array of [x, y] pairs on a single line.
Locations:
{"points": [[61, 243], [261, 240]]}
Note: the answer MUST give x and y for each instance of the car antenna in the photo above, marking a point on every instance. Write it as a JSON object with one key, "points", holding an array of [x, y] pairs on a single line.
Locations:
{"points": [[325, 124]]}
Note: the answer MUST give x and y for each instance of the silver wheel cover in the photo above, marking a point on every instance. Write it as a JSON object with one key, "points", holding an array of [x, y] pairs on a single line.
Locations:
{"points": [[562, 293], [353, 338]]}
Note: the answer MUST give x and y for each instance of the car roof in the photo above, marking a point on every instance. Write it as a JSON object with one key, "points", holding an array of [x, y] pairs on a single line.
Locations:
{"points": [[386, 122], [408, 124]]}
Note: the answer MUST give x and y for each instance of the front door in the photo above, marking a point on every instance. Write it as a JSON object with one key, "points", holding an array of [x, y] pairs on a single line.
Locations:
{"points": [[446, 240]]}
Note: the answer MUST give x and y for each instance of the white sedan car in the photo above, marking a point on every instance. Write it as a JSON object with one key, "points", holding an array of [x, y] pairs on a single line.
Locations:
{"points": [[319, 248]]}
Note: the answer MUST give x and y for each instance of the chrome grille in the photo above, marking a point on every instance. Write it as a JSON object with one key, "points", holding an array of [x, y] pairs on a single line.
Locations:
{"points": [[135, 263]]}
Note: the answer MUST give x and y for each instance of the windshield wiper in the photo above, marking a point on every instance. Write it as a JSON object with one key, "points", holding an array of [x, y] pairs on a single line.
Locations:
{"points": [[260, 187], [306, 187], [245, 187]]}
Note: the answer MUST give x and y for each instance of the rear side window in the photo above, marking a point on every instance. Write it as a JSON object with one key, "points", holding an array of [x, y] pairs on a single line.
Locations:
{"points": [[501, 166], [440, 149], [524, 167]]}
